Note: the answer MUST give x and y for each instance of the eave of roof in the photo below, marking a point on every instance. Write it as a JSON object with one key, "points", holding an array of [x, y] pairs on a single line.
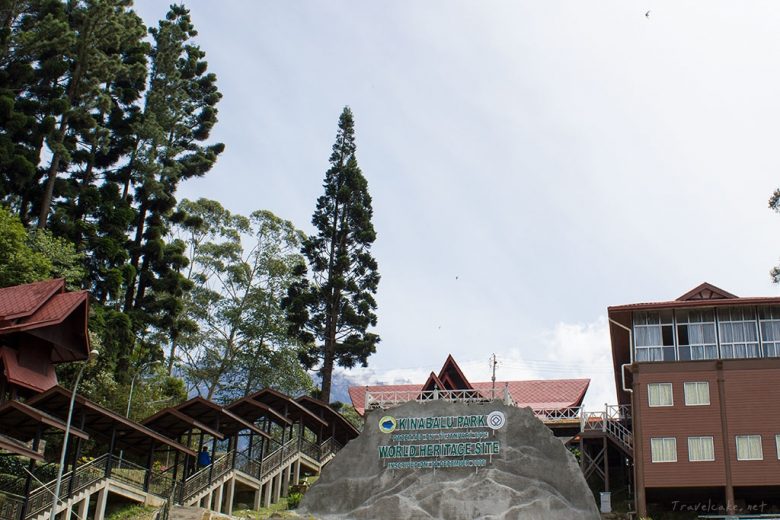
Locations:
{"points": [[56, 399]]}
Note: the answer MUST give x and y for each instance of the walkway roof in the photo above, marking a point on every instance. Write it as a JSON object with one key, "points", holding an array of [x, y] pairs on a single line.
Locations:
{"points": [[216, 417], [251, 410], [99, 422], [341, 428], [21, 421], [173, 423], [290, 408], [17, 448]]}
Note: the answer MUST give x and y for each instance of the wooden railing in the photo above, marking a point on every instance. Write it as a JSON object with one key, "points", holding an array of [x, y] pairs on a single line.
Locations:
{"points": [[10, 506], [160, 484], [41, 498]]}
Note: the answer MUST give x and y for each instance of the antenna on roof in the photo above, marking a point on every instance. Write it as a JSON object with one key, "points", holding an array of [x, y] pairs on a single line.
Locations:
{"points": [[493, 363]]}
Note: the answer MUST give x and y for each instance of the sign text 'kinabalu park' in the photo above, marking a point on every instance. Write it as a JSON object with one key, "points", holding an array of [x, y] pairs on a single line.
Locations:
{"points": [[447, 440]]}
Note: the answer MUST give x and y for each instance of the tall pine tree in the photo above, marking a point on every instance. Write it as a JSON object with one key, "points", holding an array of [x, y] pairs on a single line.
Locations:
{"points": [[332, 310]]}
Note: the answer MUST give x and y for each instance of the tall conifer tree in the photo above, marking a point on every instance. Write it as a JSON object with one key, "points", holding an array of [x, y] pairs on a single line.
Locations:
{"points": [[333, 310]]}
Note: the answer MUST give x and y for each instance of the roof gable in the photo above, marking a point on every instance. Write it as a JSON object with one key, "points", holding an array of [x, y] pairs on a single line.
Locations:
{"points": [[705, 291], [452, 376]]}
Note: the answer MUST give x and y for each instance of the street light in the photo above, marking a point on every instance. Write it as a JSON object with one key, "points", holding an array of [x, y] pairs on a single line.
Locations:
{"points": [[132, 384], [56, 494], [130, 397]]}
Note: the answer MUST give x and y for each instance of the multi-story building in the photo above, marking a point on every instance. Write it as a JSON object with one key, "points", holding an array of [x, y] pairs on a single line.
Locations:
{"points": [[702, 375]]}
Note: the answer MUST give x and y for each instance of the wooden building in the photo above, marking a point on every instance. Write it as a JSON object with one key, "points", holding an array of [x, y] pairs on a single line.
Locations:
{"points": [[701, 376]]}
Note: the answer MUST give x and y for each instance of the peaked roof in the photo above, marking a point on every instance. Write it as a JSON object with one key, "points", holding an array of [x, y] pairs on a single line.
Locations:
{"points": [[703, 295], [44, 314], [23, 300], [452, 376], [705, 291]]}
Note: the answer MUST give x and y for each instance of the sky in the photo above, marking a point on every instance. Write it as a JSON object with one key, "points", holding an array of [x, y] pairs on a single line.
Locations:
{"points": [[530, 163]]}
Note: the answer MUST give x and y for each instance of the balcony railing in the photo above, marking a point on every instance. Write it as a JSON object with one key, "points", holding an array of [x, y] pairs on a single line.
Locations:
{"points": [[389, 399]]}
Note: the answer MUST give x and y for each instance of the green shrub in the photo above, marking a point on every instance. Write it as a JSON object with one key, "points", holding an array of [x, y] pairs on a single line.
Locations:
{"points": [[294, 500]]}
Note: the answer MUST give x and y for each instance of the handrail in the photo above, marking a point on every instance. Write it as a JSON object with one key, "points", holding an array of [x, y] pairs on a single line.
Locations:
{"points": [[571, 413], [387, 399], [201, 479], [10, 506], [40, 499]]}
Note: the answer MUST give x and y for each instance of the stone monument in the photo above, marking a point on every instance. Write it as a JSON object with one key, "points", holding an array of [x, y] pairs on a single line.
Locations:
{"points": [[452, 461]]}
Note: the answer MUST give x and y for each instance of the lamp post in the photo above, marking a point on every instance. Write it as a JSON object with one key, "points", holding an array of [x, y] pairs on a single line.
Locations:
{"points": [[56, 495], [132, 385], [130, 397]]}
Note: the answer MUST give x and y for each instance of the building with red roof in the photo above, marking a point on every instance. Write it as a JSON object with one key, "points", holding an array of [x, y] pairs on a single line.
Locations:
{"points": [[41, 325], [699, 375], [556, 401]]}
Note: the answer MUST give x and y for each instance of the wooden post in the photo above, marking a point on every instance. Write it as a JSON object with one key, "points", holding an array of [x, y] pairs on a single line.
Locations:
{"points": [[30, 468], [149, 464], [606, 464], [111, 446]]}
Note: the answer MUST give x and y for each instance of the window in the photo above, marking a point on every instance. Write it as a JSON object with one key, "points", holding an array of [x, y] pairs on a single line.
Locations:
{"points": [[700, 449], [654, 336], [777, 446], [769, 321], [696, 335], [663, 449], [738, 333], [659, 394], [697, 394], [749, 447]]}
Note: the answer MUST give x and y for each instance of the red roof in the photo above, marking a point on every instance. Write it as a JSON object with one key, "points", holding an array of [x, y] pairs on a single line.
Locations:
{"points": [[23, 300], [703, 295], [540, 394], [58, 318], [38, 376]]}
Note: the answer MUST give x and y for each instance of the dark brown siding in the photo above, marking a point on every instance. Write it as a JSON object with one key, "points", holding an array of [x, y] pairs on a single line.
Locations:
{"points": [[681, 422], [753, 408], [752, 397]]}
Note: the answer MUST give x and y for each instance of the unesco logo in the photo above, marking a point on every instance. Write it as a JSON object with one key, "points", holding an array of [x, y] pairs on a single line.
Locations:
{"points": [[387, 424], [496, 420]]}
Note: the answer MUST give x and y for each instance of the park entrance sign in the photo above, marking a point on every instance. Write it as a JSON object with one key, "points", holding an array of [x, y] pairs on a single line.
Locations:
{"points": [[453, 441], [454, 461]]}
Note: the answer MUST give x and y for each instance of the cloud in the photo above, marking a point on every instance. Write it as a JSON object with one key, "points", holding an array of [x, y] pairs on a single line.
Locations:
{"points": [[567, 351]]}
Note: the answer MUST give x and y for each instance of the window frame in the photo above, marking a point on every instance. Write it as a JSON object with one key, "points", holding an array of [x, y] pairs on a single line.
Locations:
{"points": [[712, 445], [662, 439], [685, 393], [671, 394], [760, 446]]}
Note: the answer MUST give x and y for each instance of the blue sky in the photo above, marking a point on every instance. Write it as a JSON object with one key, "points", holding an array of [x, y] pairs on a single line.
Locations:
{"points": [[530, 163]]}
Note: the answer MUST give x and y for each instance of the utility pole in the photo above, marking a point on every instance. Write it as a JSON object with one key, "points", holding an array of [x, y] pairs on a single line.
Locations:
{"points": [[493, 363]]}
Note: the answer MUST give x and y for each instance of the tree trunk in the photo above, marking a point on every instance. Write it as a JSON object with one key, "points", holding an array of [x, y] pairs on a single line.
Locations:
{"points": [[52, 175]]}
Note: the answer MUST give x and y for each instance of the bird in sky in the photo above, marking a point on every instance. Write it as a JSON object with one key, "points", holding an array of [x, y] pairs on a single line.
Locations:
{"points": [[647, 14]]}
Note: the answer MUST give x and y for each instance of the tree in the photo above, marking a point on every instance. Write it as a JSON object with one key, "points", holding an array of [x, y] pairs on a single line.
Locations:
{"points": [[332, 311], [29, 256], [241, 269]]}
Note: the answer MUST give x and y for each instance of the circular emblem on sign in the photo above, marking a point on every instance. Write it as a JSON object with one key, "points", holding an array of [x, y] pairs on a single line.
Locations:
{"points": [[496, 420], [387, 424]]}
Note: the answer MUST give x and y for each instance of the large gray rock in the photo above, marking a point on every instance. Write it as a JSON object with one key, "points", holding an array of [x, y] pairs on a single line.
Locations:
{"points": [[533, 477]]}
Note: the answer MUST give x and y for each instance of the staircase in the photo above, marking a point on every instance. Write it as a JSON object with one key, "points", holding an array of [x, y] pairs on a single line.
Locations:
{"points": [[148, 486], [614, 423]]}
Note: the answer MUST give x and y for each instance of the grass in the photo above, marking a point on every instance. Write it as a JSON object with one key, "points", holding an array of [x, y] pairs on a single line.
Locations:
{"points": [[277, 510], [133, 512]]}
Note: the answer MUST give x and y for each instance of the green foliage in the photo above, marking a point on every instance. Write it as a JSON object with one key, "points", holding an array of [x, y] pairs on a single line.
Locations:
{"points": [[98, 127], [349, 414], [132, 512], [294, 500], [240, 269], [18, 262], [332, 311], [36, 255]]}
